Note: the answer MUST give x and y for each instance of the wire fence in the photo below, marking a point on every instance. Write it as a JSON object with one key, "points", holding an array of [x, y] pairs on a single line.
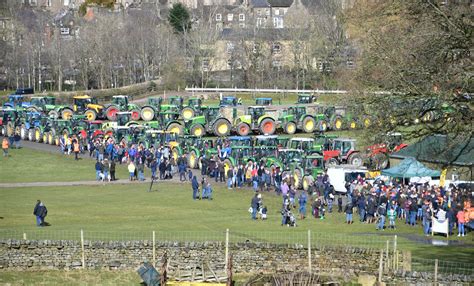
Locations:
{"points": [[442, 267]]}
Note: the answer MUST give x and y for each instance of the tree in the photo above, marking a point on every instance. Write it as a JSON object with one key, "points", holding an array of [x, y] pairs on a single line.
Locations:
{"points": [[179, 18], [419, 53]]}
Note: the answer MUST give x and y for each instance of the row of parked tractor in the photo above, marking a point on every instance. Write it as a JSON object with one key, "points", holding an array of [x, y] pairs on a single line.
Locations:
{"points": [[194, 117]]}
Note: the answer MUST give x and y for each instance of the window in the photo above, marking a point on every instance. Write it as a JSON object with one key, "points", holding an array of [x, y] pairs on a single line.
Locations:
{"points": [[259, 12], [2, 24], [276, 48], [64, 31], [276, 63], [260, 22], [230, 17], [241, 17], [49, 3], [230, 47], [277, 12], [218, 17], [66, 2], [278, 22], [267, 12]]}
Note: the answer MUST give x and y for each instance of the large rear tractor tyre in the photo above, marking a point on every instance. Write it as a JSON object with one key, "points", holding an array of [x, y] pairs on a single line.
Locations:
{"points": [[367, 122], [309, 124], [353, 124], [222, 128], [45, 137], [38, 135], [175, 154], [307, 182], [147, 113], [243, 129], [337, 123], [66, 113], [10, 128], [355, 160], [193, 160], [227, 165], [197, 130], [267, 126], [31, 134], [290, 128], [53, 114], [135, 116], [50, 138], [175, 128], [187, 113], [331, 162], [23, 132], [298, 178], [90, 114], [381, 161], [111, 112]]}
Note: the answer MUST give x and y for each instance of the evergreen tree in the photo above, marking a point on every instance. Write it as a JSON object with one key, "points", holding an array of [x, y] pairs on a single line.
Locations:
{"points": [[179, 18]]}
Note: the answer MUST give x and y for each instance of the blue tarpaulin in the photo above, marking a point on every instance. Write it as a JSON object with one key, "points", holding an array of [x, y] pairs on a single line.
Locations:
{"points": [[410, 168]]}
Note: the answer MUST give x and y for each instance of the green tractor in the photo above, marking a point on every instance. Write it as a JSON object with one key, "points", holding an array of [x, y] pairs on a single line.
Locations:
{"points": [[270, 141], [257, 119], [308, 145], [47, 105], [287, 160], [334, 116], [194, 147], [306, 173], [10, 119], [211, 121], [121, 103], [193, 109], [58, 128], [299, 118], [304, 98]]}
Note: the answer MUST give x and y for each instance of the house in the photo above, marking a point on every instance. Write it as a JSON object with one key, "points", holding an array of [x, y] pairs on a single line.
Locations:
{"points": [[441, 152], [53, 5]]}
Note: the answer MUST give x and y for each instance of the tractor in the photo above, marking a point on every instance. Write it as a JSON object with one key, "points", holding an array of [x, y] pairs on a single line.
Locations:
{"points": [[121, 103], [30, 121], [15, 101], [339, 151], [304, 98], [155, 106], [376, 156], [299, 118], [334, 116], [230, 101], [10, 118], [287, 160], [311, 166], [256, 119], [193, 109], [307, 145], [194, 147], [122, 119], [264, 101], [89, 107], [211, 121], [47, 105]]}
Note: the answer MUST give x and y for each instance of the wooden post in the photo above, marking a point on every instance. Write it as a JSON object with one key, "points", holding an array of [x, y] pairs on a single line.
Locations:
{"points": [[387, 261], [226, 247], [82, 248], [436, 273], [309, 251], [154, 250], [24, 236], [395, 264], [380, 267]]}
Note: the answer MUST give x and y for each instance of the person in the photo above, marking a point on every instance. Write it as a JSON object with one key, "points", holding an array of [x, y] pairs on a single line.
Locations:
{"points": [[207, 191], [339, 204], [182, 171], [461, 220], [349, 210], [112, 170], [254, 206], [195, 186], [17, 139], [105, 170], [361, 207], [264, 213], [76, 149], [330, 202], [381, 211], [98, 170], [427, 216], [131, 170], [392, 214], [40, 212], [5, 146], [229, 178], [302, 199]]}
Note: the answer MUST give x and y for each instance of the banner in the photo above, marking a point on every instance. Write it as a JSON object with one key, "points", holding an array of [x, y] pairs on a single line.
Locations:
{"points": [[439, 226], [442, 178]]}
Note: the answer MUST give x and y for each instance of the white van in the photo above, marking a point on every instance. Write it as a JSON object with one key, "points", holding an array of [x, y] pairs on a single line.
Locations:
{"points": [[339, 175]]}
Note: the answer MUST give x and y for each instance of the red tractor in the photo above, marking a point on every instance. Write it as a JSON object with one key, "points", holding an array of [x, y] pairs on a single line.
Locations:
{"points": [[339, 151], [377, 155]]}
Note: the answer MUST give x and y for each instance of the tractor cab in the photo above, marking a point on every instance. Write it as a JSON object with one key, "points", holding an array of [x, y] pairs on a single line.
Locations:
{"points": [[175, 100], [123, 118], [345, 146], [155, 101], [313, 165], [195, 102], [230, 101], [266, 141], [288, 156], [265, 101], [304, 98], [305, 144], [39, 102], [50, 100], [241, 153], [81, 102], [211, 113], [15, 100], [262, 152], [121, 101], [255, 112], [240, 141]]}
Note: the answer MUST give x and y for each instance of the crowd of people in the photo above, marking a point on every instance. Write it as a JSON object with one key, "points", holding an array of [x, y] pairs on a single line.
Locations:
{"points": [[385, 204]]}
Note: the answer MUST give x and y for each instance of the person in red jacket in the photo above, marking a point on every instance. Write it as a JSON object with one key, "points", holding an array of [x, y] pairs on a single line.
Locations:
{"points": [[461, 220]]}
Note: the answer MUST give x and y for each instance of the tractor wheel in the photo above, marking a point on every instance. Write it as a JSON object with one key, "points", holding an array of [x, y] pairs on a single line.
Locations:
{"points": [[38, 135], [111, 112], [108, 133], [267, 126], [298, 178], [331, 162], [17, 130], [31, 134], [66, 113], [309, 124], [147, 113], [90, 114], [381, 161], [307, 182], [175, 154], [197, 130], [353, 124], [135, 116], [355, 160], [23, 132], [193, 160], [10, 129], [187, 113], [322, 125], [65, 135], [286, 176], [367, 122], [45, 137], [53, 114], [337, 123], [290, 128], [428, 116], [243, 129], [222, 127], [175, 128], [200, 163], [50, 138], [227, 165]]}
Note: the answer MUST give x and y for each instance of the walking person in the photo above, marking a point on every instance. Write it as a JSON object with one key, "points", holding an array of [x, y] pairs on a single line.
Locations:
{"points": [[461, 220], [381, 211], [254, 206], [131, 170], [112, 170], [105, 170], [40, 212], [195, 186], [349, 211], [98, 170], [302, 199], [76, 149], [17, 139], [5, 146], [392, 215]]}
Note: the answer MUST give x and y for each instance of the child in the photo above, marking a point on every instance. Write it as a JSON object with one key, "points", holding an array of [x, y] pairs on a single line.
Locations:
{"points": [[391, 217], [264, 213], [461, 220], [339, 204], [321, 211], [330, 202]]}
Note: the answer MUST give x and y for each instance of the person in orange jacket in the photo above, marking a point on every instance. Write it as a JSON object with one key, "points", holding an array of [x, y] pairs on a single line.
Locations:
{"points": [[5, 146]]}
